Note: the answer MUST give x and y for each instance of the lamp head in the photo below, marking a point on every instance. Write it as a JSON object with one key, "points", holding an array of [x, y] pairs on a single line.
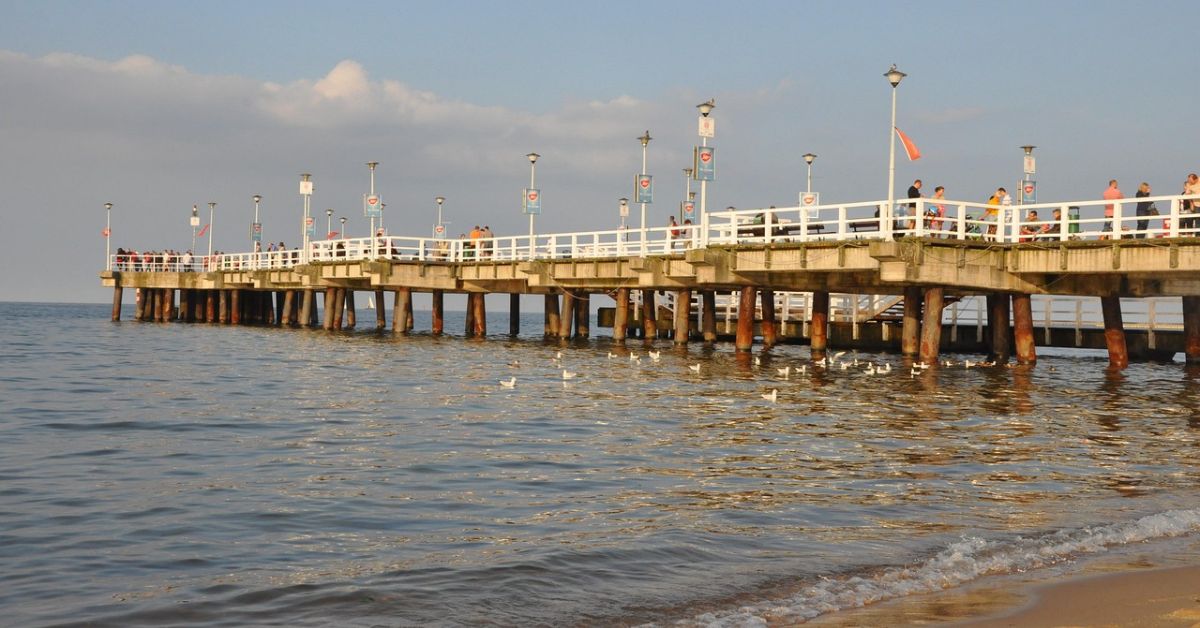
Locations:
{"points": [[706, 107], [623, 201], [257, 198], [808, 158], [372, 164], [1028, 149], [532, 157], [211, 205], [305, 176], [687, 172], [343, 219], [894, 76], [439, 200], [107, 206], [646, 138], [329, 212]]}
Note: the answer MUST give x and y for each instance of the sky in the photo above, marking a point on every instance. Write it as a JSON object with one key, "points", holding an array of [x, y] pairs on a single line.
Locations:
{"points": [[159, 106]]}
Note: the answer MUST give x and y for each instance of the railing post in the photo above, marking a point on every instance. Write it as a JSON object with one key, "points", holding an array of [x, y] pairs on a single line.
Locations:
{"points": [[768, 225], [960, 222], [1064, 222], [1116, 220], [842, 229], [919, 218], [704, 229], [1175, 203], [803, 224]]}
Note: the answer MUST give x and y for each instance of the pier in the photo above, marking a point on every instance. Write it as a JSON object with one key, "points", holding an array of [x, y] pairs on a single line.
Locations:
{"points": [[833, 276]]}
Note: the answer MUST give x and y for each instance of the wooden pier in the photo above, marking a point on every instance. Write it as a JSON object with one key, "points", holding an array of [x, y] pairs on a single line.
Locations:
{"points": [[927, 273]]}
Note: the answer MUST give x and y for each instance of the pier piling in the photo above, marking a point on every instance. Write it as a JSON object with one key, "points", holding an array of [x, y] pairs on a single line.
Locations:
{"points": [[116, 302], [819, 326], [400, 302], [567, 316], [1022, 314], [708, 315], [1191, 329], [583, 314], [649, 316], [683, 316], [998, 325], [621, 316], [911, 330], [931, 328], [235, 307], [351, 313], [744, 340], [437, 310], [514, 314], [289, 304], [769, 329], [381, 311], [1114, 332], [307, 309]]}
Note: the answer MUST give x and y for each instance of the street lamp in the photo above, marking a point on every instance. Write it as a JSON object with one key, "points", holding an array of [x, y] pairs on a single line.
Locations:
{"points": [[211, 206], [343, 221], [532, 157], [808, 159], [623, 212], [371, 165], [894, 77], [195, 222], [707, 129], [108, 236], [256, 228], [438, 229], [306, 190], [328, 222], [687, 194], [645, 140]]}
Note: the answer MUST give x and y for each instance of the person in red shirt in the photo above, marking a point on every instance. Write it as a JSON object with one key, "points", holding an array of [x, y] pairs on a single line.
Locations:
{"points": [[1113, 193]]}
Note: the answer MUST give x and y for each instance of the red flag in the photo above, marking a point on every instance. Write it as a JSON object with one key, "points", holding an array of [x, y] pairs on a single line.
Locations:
{"points": [[331, 235], [913, 152], [202, 231]]}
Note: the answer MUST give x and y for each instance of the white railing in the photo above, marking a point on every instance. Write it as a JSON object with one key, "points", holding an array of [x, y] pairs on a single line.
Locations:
{"points": [[938, 219]]}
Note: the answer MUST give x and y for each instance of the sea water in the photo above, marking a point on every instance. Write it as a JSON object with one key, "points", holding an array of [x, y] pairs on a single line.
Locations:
{"points": [[206, 475]]}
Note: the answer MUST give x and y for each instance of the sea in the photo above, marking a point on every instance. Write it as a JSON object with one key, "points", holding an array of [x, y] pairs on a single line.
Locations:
{"points": [[205, 475]]}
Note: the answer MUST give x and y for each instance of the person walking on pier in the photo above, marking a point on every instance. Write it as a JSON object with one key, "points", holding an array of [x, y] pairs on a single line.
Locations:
{"points": [[1191, 185], [1143, 209], [914, 192], [936, 211], [1112, 193]]}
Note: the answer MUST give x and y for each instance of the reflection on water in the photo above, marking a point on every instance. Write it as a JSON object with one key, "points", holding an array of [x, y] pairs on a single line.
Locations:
{"points": [[246, 475]]}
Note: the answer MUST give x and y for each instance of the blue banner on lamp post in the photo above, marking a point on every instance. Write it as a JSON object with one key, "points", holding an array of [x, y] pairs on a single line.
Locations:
{"points": [[706, 163], [533, 201], [643, 188], [256, 231], [689, 211]]}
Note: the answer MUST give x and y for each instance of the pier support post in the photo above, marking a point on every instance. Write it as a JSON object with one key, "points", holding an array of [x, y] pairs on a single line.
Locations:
{"points": [[139, 304], [480, 315], [351, 312], [1191, 329], [621, 316], [235, 307], [998, 322], [683, 316], [514, 314], [550, 319], [289, 303], [583, 314], [818, 329], [437, 310], [568, 315], [339, 308], [148, 302], [469, 316], [381, 311], [116, 304], [769, 330], [649, 315], [185, 305], [223, 297], [911, 330], [330, 297], [931, 326], [1114, 332], [400, 302], [307, 309], [1022, 313], [745, 322], [708, 315], [280, 298]]}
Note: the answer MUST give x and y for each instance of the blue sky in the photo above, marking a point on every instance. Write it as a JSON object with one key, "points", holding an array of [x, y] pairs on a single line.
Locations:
{"points": [[156, 106]]}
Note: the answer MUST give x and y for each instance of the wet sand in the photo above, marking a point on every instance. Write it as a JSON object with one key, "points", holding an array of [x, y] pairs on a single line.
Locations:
{"points": [[1141, 597]]}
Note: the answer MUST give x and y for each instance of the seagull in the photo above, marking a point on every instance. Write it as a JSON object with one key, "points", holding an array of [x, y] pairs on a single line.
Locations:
{"points": [[695, 367], [654, 355], [558, 356], [757, 361], [611, 355], [803, 369], [821, 362], [870, 368], [886, 368], [844, 366], [772, 396], [968, 363], [785, 371], [947, 362], [633, 357], [914, 372], [509, 383], [921, 365], [569, 374], [838, 355]]}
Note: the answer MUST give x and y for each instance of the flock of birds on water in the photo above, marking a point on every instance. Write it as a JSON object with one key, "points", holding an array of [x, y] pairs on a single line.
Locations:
{"points": [[830, 362]]}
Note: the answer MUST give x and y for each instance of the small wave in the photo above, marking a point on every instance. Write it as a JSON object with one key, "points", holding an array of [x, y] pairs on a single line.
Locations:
{"points": [[961, 562]]}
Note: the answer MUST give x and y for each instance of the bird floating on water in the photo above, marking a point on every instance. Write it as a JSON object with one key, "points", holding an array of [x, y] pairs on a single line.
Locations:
{"points": [[757, 361], [785, 371], [569, 374], [611, 355], [509, 383], [968, 363], [695, 367], [772, 396]]}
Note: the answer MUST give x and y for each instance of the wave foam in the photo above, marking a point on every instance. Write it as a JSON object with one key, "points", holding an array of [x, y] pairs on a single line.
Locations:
{"points": [[961, 562]]}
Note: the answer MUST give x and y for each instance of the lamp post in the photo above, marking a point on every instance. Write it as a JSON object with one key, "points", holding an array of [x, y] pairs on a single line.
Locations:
{"points": [[438, 230], [343, 221], [195, 222], [623, 212], [211, 206], [894, 77], [707, 130], [808, 159], [1027, 182], [306, 190], [645, 140], [371, 166], [328, 222], [532, 157], [256, 228], [108, 236]]}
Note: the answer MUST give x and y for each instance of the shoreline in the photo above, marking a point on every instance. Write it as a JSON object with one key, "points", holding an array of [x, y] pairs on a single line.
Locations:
{"points": [[1141, 587]]}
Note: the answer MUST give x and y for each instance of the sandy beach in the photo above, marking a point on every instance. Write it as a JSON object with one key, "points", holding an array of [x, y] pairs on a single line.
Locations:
{"points": [[1140, 595]]}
